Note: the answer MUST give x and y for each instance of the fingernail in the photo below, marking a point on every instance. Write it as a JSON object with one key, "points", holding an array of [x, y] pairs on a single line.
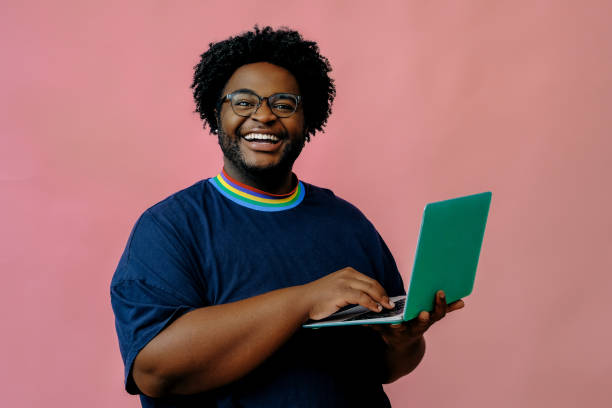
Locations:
{"points": [[379, 307], [392, 303]]}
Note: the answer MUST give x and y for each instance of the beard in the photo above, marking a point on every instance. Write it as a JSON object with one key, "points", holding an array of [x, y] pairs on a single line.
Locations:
{"points": [[230, 146]]}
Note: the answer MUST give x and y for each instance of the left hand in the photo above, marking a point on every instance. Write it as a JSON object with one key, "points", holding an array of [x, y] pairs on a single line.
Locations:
{"points": [[401, 335]]}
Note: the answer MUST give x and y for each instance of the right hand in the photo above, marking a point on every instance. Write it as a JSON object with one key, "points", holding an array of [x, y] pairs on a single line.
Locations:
{"points": [[342, 288]]}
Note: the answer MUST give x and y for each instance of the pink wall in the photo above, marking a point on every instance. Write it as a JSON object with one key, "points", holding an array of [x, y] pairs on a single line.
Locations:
{"points": [[435, 99]]}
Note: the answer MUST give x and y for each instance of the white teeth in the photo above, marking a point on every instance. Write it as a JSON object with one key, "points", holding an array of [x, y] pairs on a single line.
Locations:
{"points": [[260, 136]]}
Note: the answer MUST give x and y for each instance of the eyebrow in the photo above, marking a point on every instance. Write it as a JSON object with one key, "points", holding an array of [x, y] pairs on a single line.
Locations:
{"points": [[255, 93], [245, 90]]}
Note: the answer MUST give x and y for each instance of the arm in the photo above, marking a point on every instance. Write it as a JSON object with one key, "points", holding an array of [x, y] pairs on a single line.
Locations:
{"points": [[212, 346], [405, 342], [402, 360]]}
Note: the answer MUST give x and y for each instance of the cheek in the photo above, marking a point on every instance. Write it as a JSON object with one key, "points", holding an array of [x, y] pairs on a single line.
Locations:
{"points": [[296, 125], [229, 123]]}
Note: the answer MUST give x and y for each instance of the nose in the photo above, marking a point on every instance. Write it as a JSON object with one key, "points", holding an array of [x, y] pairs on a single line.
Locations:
{"points": [[263, 113]]}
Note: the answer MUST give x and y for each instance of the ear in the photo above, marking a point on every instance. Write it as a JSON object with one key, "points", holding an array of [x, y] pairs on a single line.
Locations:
{"points": [[217, 121]]}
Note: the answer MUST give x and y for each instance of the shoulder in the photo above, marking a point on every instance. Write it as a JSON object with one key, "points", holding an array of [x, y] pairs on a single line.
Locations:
{"points": [[190, 198], [329, 202], [163, 236], [170, 219], [328, 197]]}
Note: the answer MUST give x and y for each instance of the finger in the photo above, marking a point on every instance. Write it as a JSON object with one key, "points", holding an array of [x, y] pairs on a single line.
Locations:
{"points": [[398, 329], [372, 288], [459, 304], [375, 290], [359, 297], [440, 306], [389, 331], [420, 324]]}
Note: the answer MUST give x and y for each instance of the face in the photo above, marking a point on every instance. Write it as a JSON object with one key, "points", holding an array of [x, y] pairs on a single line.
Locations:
{"points": [[245, 150]]}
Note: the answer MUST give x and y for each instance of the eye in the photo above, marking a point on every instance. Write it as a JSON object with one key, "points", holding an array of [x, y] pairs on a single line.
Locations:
{"points": [[243, 103], [285, 107], [283, 103]]}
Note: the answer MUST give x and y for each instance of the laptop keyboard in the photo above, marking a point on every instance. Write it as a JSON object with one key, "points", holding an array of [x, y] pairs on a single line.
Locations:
{"points": [[398, 309]]}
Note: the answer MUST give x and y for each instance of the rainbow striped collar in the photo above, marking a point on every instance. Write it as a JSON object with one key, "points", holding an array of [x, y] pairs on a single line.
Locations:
{"points": [[256, 199]]}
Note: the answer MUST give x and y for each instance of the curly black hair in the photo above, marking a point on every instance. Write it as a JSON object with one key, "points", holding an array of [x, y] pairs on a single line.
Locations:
{"points": [[283, 47]]}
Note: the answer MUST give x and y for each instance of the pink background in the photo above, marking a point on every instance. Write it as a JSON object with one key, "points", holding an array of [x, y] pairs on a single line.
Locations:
{"points": [[435, 99]]}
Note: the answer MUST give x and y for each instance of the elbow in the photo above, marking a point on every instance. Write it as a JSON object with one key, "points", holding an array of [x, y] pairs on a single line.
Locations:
{"points": [[158, 381], [152, 377], [151, 383]]}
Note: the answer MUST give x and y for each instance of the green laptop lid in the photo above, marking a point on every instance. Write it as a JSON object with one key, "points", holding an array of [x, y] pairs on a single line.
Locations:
{"points": [[447, 251]]}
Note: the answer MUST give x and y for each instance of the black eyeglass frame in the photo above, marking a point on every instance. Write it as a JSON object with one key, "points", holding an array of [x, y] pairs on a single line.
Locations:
{"points": [[228, 97]]}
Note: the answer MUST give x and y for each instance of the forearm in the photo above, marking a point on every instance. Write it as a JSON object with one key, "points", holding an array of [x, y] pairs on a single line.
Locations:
{"points": [[400, 361], [212, 346]]}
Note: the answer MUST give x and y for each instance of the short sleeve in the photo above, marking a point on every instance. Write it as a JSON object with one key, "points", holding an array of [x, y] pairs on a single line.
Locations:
{"points": [[154, 284]]}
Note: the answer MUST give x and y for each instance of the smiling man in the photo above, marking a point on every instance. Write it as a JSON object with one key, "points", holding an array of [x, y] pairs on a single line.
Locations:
{"points": [[217, 280], [260, 144]]}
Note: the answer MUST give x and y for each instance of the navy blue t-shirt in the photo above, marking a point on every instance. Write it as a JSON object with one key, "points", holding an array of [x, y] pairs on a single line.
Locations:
{"points": [[202, 247]]}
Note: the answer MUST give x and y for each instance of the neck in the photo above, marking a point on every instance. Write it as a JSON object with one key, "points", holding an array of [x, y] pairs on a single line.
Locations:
{"points": [[273, 181]]}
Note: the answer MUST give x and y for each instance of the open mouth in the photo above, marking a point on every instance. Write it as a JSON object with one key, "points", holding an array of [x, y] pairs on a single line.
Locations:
{"points": [[261, 138]]}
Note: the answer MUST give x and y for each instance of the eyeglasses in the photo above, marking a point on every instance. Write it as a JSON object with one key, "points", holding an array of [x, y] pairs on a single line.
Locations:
{"points": [[245, 103]]}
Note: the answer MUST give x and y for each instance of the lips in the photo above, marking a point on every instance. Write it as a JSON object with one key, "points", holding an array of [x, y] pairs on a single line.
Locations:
{"points": [[261, 138], [262, 141]]}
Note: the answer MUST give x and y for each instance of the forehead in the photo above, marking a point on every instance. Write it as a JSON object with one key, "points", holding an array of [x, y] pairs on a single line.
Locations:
{"points": [[263, 78]]}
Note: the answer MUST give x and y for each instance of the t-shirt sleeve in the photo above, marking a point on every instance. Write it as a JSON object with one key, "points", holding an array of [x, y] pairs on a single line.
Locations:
{"points": [[154, 284]]}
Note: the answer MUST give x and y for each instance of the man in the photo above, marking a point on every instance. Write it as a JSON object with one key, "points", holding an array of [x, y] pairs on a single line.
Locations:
{"points": [[217, 280]]}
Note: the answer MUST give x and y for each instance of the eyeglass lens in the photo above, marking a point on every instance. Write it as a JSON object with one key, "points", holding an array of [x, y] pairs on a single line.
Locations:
{"points": [[282, 105]]}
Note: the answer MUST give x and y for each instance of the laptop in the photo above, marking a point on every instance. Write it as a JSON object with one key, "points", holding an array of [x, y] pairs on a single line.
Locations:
{"points": [[446, 259]]}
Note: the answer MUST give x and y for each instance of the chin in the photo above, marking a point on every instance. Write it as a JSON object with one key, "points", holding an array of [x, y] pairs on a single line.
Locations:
{"points": [[260, 164], [268, 164], [265, 168]]}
